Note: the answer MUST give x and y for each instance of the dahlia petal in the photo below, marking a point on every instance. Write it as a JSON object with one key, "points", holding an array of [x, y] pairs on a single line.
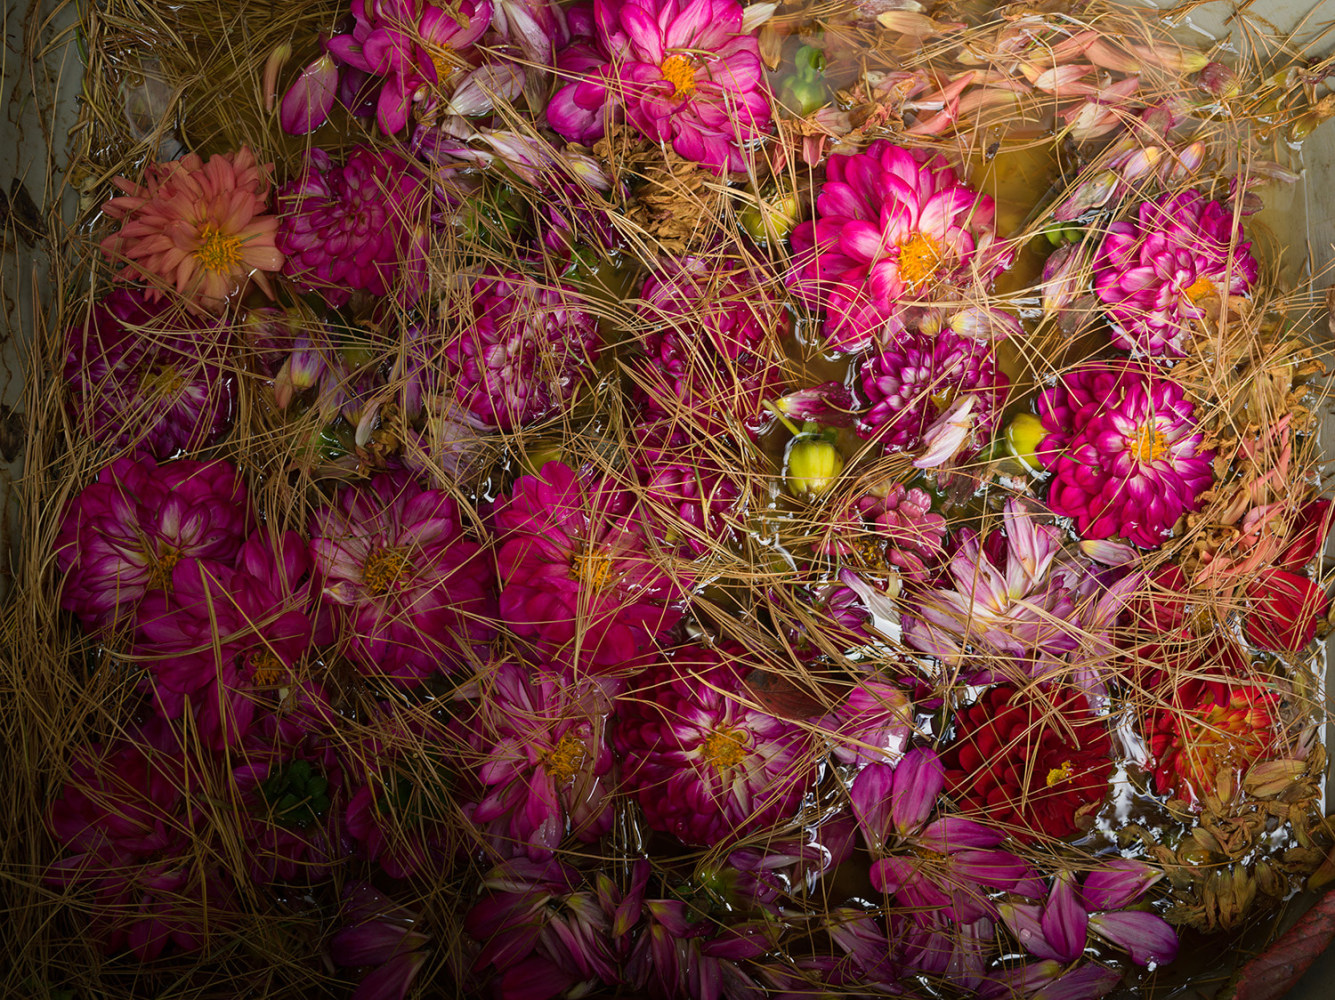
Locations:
{"points": [[1148, 938]]}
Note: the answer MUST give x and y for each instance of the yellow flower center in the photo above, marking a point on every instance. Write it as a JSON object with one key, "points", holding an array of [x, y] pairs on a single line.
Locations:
{"points": [[217, 251], [384, 569], [919, 257], [443, 58], [1199, 289], [678, 71], [160, 578], [565, 759], [725, 748], [1059, 774], [592, 568], [267, 670], [1152, 445], [164, 382]]}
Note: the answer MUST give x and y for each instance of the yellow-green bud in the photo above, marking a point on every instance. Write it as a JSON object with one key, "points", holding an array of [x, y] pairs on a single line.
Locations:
{"points": [[813, 465], [1023, 436], [535, 458], [773, 219]]}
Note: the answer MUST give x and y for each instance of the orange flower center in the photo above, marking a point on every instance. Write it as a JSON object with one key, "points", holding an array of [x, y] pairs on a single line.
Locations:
{"points": [[1059, 774], [1152, 445], [384, 569], [592, 567], [267, 670], [1199, 289], [565, 759], [919, 258], [725, 748], [678, 71], [218, 252]]}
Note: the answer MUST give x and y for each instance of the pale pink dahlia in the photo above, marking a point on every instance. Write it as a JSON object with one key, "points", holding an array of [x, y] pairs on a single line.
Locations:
{"points": [[522, 351], [358, 227], [1124, 451], [414, 596], [138, 373], [1155, 273], [580, 577], [197, 228], [910, 383], [685, 73], [543, 761], [892, 227], [703, 764], [123, 535]]}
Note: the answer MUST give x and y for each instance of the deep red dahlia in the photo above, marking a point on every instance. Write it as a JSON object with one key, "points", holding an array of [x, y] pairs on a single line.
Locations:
{"points": [[1015, 761]]}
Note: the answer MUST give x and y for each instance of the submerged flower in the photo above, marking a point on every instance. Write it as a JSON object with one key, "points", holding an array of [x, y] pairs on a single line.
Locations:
{"points": [[1032, 762], [198, 228], [357, 227], [415, 595], [892, 227], [579, 574], [139, 372], [1155, 273], [1124, 450], [378, 932], [703, 764], [523, 349]]}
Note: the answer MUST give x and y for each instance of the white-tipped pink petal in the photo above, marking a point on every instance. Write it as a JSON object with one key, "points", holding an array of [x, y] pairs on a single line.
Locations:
{"points": [[944, 438]]}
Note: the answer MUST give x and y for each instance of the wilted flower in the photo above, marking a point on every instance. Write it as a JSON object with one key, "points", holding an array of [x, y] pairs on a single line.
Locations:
{"points": [[871, 725], [197, 228], [1283, 610], [1035, 763], [414, 595], [307, 103], [1124, 450], [579, 577], [138, 372], [1155, 273], [378, 932], [357, 227], [892, 227], [702, 763]]}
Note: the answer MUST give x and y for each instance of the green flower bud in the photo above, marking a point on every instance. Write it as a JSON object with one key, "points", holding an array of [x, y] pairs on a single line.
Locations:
{"points": [[813, 465], [772, 219], [1023, 436], [803, 94]]}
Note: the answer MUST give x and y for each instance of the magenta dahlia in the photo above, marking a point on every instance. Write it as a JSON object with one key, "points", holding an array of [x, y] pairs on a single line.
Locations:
{"points": [[543, 761], [1124, 450], [683, 73], [125, 533], [698, 504], [413, 595], [579, 574], [358, 227], [893, 227], [142, 373], [703, 764], [910, 383], [522, 351], [1157, 273]]}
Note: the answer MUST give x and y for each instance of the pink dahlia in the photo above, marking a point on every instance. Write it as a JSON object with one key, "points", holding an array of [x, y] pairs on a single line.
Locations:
{"points": [[139, 374], [414, 46], [413, 595], [698, 504], [1156, 274], [358, 227], [892, 227], [523, 349], [703, 764], [685, 73], [1124, 451], [543, 761], [910, 383], [197, 228], [580, 577], [125, 533]]}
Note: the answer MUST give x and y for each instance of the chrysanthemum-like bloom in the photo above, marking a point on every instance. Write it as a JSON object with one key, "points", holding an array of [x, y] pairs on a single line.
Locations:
{"points": [[522, 350], [197, 227], [357, 227], [891, 226], [1205, 729], [1124, 451], [697, 504], [579, 576], [414, 595], [1012, 762], [914, 534], [417, 47], [911, 382], [684, 72], [123, 535], [138, 373], [543, 761], [128, 827], [703, 765], [1157, 273]]}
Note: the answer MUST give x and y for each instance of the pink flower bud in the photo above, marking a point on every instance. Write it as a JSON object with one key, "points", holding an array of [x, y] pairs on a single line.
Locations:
{"points": [[307, 103]]}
